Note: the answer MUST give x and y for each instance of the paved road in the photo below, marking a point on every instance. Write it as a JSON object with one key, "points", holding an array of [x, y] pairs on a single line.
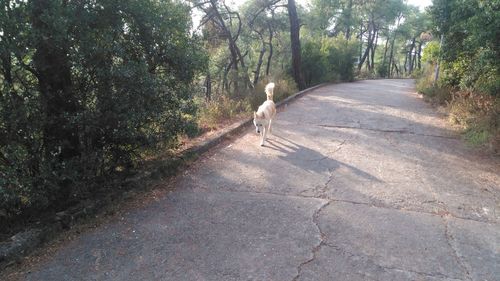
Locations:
{"points": [[360, 181]]}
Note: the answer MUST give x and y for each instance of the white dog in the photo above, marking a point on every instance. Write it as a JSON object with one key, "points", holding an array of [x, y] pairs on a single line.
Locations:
{"points": [[263, 118]]}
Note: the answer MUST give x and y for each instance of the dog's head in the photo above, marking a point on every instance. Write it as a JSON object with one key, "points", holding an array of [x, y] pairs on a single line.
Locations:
{"points": [[258, 121]]}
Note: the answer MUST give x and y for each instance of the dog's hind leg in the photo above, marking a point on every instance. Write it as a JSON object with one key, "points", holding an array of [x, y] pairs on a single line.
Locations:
{"points": [[270, 123]]}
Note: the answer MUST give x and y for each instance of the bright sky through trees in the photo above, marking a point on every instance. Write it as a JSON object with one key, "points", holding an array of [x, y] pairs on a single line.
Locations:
{"points": [[419, 3]]}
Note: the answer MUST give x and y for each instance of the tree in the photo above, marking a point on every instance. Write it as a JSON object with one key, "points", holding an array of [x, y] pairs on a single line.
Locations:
{"points": [[86, 88], [228, 23], [471, 47], [295, 44], [261, 20], [378, 15], [415, 24]]}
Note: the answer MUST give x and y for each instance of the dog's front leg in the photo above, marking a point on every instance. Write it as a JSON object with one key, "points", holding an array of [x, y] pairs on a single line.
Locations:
{"points": [[264, 133], [270, 122]]}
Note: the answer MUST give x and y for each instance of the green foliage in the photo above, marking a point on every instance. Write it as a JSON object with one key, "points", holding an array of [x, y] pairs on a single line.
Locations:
{"points": [[340, 56], [382, 69], [314, 63], [477, 136], [471, 44], [436, 94], [431, 52], [328, 59], [470, 65], [85, 88]]}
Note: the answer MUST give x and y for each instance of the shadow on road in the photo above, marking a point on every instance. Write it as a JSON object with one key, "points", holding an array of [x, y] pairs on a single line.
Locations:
{"points": [[301, 156]]}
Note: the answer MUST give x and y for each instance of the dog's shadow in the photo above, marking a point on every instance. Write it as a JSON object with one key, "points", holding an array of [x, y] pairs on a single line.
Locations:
{"points": [[309, 159]]}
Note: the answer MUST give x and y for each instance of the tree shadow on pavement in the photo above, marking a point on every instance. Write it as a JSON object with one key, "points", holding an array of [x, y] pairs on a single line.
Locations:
{"points": [[311, 160]]}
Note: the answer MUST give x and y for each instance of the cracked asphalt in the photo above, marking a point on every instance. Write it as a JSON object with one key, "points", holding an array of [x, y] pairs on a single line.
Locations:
{"points": [[359, 181]]}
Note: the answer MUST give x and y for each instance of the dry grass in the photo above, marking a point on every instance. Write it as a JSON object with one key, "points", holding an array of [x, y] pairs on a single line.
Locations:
{"points": [[224, 110], [478, 114], [219, 112]]}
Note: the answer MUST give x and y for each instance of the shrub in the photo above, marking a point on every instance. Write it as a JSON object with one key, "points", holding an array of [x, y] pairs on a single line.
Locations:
{"points": [[314, 63], [479, 116], [340, 55], [382, 69], [431, 53], [477, 135], [330, 59], [218, 111], [366, 74]]}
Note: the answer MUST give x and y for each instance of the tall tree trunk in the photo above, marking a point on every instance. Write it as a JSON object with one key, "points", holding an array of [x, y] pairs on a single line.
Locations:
{"points": [[367, 50], [208, 85], [7, 67], [54, 82], [268, 66], [384, 60], [374, 48], [419, 55], [414, 63], [391, 56], [410, 55], [348, 20], [259, 64], [369, 46], [396, 67], [5, 55], [406, 61], [361, 32], [436, 71], [225, 80], [295, 41]]}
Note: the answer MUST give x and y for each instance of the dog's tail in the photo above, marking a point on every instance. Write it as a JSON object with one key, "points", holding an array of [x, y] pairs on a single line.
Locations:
{"points": [[270, 91]]}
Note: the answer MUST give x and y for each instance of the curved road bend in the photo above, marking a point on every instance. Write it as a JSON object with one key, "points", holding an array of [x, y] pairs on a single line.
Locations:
{"points": [[360, 181]]}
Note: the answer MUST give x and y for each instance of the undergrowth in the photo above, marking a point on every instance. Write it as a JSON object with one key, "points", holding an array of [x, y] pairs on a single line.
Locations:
{"points": [[478, 114], [223, 109]]}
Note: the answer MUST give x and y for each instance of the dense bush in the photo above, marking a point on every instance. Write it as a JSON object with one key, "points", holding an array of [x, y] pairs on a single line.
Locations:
{"points": [[314, 63], [328, 59], [85, 87], [341, 56], [471, 45], [478, 72]]}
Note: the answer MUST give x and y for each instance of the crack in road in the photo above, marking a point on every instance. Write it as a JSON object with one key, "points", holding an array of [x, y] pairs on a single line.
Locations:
{"points": [[386, 131], [316, 248], [465, 267], [371, 261], [380, 206], [325, 243]]}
